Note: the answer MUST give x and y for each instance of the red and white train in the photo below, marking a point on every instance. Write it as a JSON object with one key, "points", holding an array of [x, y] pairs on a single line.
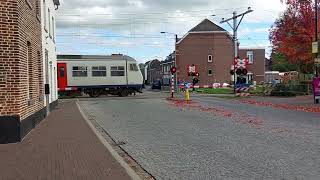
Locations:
{"points": [[97, 75]]}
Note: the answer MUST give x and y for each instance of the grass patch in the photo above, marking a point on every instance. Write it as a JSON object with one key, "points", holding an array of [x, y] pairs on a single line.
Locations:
{"points": [[215, 91], [258, 90]]}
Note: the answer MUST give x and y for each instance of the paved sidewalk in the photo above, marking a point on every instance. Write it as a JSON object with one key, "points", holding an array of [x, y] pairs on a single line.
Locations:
{"points": [[61, 147], [298, 101]]}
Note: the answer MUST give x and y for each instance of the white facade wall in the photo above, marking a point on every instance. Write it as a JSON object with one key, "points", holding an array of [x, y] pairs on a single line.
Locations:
{"points": [[48, 21]]}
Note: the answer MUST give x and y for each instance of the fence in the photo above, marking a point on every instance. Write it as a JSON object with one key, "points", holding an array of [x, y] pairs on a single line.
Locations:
{"points": [[299, 89]]}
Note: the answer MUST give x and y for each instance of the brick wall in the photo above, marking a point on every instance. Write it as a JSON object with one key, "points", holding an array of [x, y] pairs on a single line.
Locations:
{"points": [[196, 47], [258, 66], [20, 26], [9, 58]]}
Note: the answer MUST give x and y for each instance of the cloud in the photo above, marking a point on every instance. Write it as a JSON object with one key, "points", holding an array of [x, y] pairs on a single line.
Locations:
{"points": [[131, 24]]}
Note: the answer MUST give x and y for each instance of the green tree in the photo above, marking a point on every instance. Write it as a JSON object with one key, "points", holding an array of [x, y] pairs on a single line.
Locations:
{"points": [[282, 64], [141, 66]]}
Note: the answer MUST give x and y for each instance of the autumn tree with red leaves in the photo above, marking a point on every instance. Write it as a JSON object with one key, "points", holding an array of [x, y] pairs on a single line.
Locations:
{"points": [[293, 33]]}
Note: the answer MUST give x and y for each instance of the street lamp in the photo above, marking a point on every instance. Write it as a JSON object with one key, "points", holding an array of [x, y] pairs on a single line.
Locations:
{"points": [[175, 53]]}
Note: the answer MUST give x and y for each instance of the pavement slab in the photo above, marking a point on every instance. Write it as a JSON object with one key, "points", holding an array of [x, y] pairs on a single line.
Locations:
{"points": [[62, 147]]}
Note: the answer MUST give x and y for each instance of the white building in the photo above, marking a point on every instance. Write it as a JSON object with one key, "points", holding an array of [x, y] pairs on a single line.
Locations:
{"points": [[48, 21]]}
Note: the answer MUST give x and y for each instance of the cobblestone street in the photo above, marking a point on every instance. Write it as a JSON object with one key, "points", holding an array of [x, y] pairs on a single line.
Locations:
{"points": [[212, 138]]}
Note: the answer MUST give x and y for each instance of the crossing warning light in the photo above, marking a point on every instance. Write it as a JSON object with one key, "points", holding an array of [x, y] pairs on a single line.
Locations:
{"points": [[195, 81], [173, 70]]}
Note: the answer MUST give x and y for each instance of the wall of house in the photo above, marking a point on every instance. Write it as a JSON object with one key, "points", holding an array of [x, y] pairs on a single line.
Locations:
{"points": [[48, 28], [195, 48], [9, 59], [30, 75], [166, 74], [258, 66], [154, 71], [21, 84]]}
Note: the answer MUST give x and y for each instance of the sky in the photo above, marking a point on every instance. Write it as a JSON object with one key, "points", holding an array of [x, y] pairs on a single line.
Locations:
{"points": [[132, 27]]}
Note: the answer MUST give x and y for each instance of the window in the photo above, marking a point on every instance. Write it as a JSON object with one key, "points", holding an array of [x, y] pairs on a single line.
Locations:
{"points": [[99, 71], [46, 58], [39, 84], [209, 58], [49, 23], [30, 70], [117, 71], [61, 72], [133, 67], [54, 82], [250, 56], [210, 72], [44, 15], [37, 9], [79, 71], [53, 27]]}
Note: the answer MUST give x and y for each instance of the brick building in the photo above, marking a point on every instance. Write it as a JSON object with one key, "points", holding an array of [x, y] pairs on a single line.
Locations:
{"points": [[211, 49], [152, 71], [256, 67], [165, 68], [22, 89]]}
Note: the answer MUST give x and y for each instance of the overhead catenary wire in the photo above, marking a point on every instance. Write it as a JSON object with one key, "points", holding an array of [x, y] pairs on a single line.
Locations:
{"points": [[134, 22], [154, 13]]}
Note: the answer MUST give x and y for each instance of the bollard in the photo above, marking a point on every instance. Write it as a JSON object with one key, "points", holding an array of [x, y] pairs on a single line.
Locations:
{"points": [[187, 95]]}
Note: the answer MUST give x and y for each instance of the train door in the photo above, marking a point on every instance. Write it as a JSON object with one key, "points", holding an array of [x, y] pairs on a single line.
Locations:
{"points": [[62, 75]]}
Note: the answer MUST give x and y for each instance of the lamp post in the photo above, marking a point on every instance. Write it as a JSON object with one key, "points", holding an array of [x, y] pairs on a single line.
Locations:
{"points": [[175, 54]]}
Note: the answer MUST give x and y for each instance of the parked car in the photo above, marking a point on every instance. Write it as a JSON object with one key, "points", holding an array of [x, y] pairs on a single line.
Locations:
{"points": [[156, 85]]}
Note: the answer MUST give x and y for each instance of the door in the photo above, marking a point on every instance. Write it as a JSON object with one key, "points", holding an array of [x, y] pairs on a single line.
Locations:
{"points": [[62, 75], [47, 80], [51, 72]]}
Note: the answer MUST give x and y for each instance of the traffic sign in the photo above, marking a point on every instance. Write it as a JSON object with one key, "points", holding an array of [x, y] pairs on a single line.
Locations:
{"points": [[192, 69], [315, 47], [241, 63]]}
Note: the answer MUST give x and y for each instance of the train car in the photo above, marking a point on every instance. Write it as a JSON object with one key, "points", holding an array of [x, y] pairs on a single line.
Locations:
{"points": [[98, 75]]}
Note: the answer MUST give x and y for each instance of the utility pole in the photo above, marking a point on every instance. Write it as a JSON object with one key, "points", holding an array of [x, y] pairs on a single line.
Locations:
{"points": [[175, 62], [316, 66], [316, 20], [235, 36]]}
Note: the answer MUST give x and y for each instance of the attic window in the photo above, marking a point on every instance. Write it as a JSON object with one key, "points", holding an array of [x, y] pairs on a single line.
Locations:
{"points": [[209, 58]]}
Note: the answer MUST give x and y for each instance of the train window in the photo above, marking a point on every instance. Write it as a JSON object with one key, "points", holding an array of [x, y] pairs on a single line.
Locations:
{"points": [[117, 71], [133, 67], [79, 71], [99, 71], [61, 72]]}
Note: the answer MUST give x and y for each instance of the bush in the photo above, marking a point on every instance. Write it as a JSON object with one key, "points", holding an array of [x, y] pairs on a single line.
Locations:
{"points": [[283, 93]]}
